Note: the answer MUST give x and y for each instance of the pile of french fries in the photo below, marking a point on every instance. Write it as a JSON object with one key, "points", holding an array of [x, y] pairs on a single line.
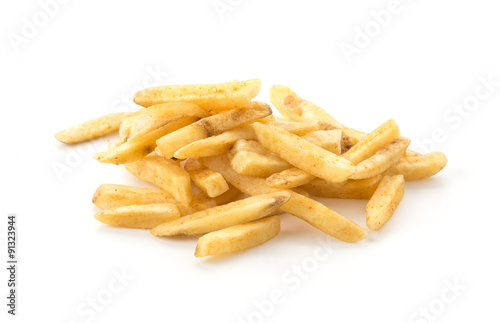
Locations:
{"points": [[215, 137]]}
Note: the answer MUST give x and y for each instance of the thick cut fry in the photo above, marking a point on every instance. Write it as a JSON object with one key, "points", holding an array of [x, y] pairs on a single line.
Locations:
{"points": [[164, 173], [238, 238], [92, 129], [207, 127], [139, 216], [327, 139], [303, 154], [231, 195], [277, 95], [249, 145], [111, 196], [210, 182], [382, 160], [229, 95], [223, 216], [419, 167], [304, 208], [298, 128], [373, 142], [350, 189], [141, 145], [254, 164], [161, 114], [289, 178], [126, 125], [384, 201]]}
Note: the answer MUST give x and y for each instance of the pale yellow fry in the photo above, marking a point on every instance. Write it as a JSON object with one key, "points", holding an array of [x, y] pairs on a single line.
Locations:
{"points": [[350, 189], [419, 167], [207, 127], [289, 178], [238, 238], [346, 142], [158, 115], [327, 139], [231, 95], [127, 123], [164, 173], [373, 142], [277, 95], [298, 128], [139, 216], [231, 195], [254, 164], [141, 145], [249, 145], [210, 182], [384, 201], [382, 160], [223, 216], [110, 196], [92, 129], [303, 154], [304, 208]]}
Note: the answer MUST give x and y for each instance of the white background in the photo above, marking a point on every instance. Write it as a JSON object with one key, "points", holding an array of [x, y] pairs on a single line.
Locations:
{"points": [[90, 56]]}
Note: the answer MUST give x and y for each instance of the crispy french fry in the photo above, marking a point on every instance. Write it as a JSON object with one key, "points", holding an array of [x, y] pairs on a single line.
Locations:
{"points": [[373, 142], [126, 125], [210, 182], [223, 216], [382, 160], [111, 196], [229, 95], [350, 189], [164, 173], [231, 195], [298, 128], [249, 145], [327, 139], [345, 142], [384, 201], [419, 167], [289, 178], [277, 95], [207, 127], [304, 208], [141, 145], [238, 238], [254, 164], [303, 154], [139, 216], [92, 129]]}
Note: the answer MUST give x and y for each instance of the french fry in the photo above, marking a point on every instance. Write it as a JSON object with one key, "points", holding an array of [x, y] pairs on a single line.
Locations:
{"points": [[238, 238], [327, 139], [289, 178], [141, 145], [382, 160], [384, 201], [350, 189], [223, 216], [419, 167], [111, 196], [311, 211], [373, 142], [164, 173], [126, 125], [297, 128], [249, 145], [229, 95], [231, 195], [210, 182], [207, 127], [92, 129], [277, 95], [139, 216], [254, 164], [303, 154], [345, 142]]}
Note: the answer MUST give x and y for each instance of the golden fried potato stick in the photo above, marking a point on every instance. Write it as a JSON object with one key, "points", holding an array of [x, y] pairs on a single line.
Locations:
{"points": [[231, 195], [303, 154], [384, 201], [223, 216], [311, 211], [92, 129], [164, 173], [351, 189], [238, 238], [207, 127], [419, 167], [327, 139], [230, 95], [139, 216], [210, 182], [251, 163]]}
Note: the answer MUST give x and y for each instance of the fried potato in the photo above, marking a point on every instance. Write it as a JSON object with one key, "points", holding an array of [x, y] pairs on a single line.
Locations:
{"points": [[249, 145], [231, 195], [289, 178], [210, 182], [277, 95], [327, 139], [254, 164], [373, 142], [298, 128], [311, 211], [419, 167], [141, 145], [139, 216], [111, 196], [238, 238], [207, 127], [384, 201], [382, 160], [126, 125], [164, 173], [229, 95], [223, 216], [92, 129], [350, 189], [303, 154]]}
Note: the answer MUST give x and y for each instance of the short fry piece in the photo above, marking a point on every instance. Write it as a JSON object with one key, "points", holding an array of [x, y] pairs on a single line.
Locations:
{"points": [[210, 182], [223, 216], [384, 201], [238, 238], [92, 129], [419, 167], [228, 95], [350, 189], [139, 216]]}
